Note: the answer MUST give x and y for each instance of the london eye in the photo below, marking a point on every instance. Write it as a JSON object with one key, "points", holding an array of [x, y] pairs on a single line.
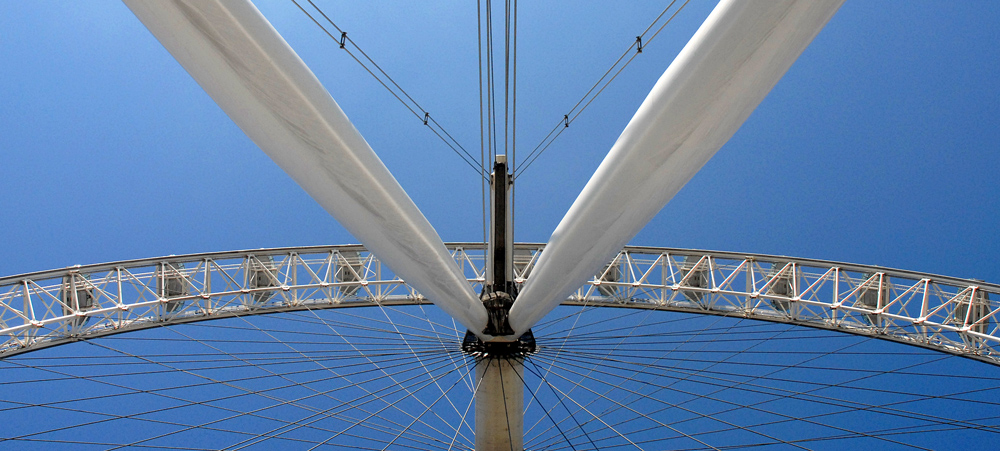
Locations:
{"points": [[646, 347]]}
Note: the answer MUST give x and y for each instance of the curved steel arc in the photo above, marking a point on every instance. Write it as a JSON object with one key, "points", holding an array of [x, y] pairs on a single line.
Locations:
{"points": [[956, 316], [242, 62]]}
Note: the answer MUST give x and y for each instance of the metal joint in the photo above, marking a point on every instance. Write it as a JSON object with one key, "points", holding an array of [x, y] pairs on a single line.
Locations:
{"points": [[498, 305]]}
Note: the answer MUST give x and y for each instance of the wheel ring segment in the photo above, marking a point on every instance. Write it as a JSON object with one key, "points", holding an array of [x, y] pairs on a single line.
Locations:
{"points": [[946, 314]]}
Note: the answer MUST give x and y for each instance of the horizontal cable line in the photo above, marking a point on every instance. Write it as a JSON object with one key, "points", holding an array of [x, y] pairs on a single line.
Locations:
{"points": [[749, 407], [204, 402], [725, 330], [446, 363], [81, 442], [727, 340], [546, 411], [449, 362], [561, 400], [573, 113], [584, 348], [135, 417], [342, 404], [756, 388], [841, 385], [572, 416], [24, 437], [599, 356], [593, 367], [391, 357], [235, 341], [368, 426], [547, 322], [399, 93], [573, 314], [627, 313], [447, 328], [794, 441], [570, 335], [278, 399], [389, 334], [438, 350], [863, 377], [888, 431], [600, 332], [420, 362], [301, 317], [598, 335], [328, 354], [635, 326], [917, 397], [325, 354], [412, 331], [407, 343], [591, 352], [333, 371], [123, 357], [242, 379], [443, 394], [907, 430], [358, 399], [113, 417]]}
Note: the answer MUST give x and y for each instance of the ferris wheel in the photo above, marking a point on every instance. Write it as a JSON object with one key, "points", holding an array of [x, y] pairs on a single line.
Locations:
{"points": [[502, 365]]}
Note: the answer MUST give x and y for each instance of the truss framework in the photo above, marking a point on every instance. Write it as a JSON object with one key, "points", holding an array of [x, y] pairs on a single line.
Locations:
{"points": [[956, 316]]}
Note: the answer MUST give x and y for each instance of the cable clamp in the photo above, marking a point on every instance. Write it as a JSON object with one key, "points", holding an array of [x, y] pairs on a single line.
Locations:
{"points": [[566, 120], [343, 38], [638, 43], [426, 117]]}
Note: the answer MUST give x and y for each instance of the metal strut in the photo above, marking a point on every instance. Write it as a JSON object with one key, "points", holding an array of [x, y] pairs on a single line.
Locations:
{"points": [[499, 361], [499, 291]]}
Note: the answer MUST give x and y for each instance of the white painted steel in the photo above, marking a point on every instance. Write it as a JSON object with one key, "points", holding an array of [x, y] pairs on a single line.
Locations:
{"points": [[726, 69], [946, 314], [242, 62]]}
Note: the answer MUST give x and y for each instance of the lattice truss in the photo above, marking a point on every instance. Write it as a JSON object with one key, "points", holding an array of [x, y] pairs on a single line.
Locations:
{"points": [[952, 315]]}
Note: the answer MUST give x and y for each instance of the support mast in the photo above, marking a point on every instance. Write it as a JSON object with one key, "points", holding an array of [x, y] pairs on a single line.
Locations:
{"points": [[499, 361]]}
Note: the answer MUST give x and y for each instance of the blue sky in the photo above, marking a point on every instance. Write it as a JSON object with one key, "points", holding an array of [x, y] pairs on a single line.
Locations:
{"points": [[877, 147]]}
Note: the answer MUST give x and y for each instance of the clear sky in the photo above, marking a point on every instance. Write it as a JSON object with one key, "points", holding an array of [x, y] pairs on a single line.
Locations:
{"points": [[878, 146]]}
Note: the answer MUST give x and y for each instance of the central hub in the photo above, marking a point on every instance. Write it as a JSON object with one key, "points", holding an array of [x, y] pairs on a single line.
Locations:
{"points": [[499, 288], [517, 349], [498, 305]]}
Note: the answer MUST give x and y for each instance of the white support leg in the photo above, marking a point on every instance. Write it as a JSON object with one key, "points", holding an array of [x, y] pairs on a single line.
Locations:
{"points": [[500, 405]]}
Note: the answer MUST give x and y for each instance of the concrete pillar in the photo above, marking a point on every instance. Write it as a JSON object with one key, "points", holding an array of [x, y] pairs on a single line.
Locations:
{"points": [[500, 405]]}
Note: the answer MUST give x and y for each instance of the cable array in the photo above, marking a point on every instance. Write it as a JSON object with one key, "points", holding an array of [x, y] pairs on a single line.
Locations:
{"points": [[634, 50], [369, 65], [380, 376]]}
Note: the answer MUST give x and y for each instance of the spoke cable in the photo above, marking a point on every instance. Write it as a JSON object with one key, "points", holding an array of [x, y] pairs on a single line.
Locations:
{"points": [[397, 91], [573, 113], [318, 393]]}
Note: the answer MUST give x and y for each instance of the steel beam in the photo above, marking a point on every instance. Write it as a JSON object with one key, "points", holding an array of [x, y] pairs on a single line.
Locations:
{"points": [[242, 62], [734, 59], [946, 314]]}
